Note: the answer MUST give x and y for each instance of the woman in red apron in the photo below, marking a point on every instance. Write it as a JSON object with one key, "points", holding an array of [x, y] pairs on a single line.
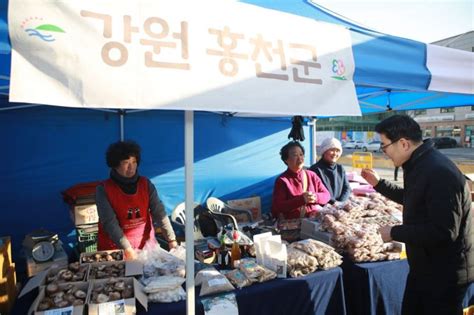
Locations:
{"points": [[128, 204]]}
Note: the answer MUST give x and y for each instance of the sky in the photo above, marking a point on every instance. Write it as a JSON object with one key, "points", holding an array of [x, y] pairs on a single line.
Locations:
{"points": [[422, 20]]}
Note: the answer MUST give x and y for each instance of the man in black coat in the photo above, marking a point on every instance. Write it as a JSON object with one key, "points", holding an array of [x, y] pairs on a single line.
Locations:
{"points": [[437, 222]]}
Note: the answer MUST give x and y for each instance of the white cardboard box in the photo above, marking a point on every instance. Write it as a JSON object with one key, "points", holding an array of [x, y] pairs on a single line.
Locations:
{"points": [[127, 305], [132, 268], [76, 310], [40, 279], [85, 214], [312, 229]]}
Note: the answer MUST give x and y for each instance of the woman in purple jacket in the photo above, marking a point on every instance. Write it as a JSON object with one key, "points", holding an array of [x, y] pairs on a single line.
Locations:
{"points": [[297, 192]]}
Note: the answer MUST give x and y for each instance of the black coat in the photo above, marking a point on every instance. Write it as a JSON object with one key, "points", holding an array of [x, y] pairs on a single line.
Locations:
{"points": [[334, 178], [437, 220]]}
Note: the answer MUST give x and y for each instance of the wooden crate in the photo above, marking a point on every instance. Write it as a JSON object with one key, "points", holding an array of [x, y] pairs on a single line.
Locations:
{"points": [[5, 255], [8, 290]]}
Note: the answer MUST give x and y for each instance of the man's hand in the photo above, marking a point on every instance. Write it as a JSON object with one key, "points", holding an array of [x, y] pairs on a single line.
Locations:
{"points": [[130, 254], [370, 176], [385, 232]]}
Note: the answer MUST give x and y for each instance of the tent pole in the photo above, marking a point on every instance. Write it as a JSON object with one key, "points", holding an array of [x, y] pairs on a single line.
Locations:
{"points": [[189, 205], [122, 132], [314, 156]]}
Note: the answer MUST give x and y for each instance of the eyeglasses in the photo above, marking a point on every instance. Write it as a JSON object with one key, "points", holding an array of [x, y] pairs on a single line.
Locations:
{"points": [[384, 147]]}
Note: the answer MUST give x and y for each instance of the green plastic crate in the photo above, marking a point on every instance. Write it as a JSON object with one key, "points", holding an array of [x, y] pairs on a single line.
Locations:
{"points": [[87, 238]]}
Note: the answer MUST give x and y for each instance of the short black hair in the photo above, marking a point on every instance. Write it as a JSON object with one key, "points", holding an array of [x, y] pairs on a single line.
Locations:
{"points": [[122, 150], [285, 150], [400, 126]]}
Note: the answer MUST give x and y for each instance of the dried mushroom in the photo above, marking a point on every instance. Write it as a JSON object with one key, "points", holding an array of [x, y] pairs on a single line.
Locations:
{"points": [[107, 271], [102, 257], [59, 297], [112, 290], [74, 272]]}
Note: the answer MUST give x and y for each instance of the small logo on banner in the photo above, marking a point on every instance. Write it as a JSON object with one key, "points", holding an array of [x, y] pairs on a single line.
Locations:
{"points": [[34, 26], [339, 69]]}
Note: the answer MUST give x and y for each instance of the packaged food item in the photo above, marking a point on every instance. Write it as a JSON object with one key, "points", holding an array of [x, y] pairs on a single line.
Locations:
{"points": [[299, 263], [275, 257], [163, 283], [168, 296], [238, 278], [216, 284], [204, 275], [255, 272]]}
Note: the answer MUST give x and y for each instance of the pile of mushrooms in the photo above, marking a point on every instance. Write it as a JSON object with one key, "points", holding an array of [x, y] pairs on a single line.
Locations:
{"points": [[103, 256], [74, 272], [112, 290], [59, 297], [103, 271]]}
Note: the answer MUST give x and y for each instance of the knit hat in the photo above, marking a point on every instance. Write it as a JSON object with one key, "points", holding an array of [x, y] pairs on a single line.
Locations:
{"points": [[330, 143]]}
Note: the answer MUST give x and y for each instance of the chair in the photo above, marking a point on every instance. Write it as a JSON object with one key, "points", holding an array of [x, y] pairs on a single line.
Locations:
{"points": [[206, 222], [217, 205], [178, 216]]}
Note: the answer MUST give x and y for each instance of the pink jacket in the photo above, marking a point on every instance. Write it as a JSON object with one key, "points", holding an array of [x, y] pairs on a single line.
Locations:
{"points": [[288, 194]]}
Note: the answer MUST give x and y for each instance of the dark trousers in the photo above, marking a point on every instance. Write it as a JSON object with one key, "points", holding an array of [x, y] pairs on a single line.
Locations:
{"points": [[432, 297]]}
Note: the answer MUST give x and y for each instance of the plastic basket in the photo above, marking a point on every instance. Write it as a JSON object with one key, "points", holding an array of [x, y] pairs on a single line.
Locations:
{"points": [[87, 238]]}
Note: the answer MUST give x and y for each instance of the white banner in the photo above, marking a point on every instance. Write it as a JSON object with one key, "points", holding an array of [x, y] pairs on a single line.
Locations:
{"points": [[188, 55], [452, 70]]}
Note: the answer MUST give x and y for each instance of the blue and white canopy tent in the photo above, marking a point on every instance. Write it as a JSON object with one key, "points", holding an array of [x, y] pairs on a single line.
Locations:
{"points": [[393, 72], [51, 148]]}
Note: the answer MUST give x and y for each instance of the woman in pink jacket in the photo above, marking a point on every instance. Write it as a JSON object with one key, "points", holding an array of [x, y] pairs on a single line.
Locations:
{"points": [[297, 191]]}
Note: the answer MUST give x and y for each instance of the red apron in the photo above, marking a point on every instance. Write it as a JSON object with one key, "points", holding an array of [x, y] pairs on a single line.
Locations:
{"points": [[132, 213]]}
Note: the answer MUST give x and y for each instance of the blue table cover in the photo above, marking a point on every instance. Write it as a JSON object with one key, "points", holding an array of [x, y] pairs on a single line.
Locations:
{"points": [[374, 288], [321, 292], [378, 287]]}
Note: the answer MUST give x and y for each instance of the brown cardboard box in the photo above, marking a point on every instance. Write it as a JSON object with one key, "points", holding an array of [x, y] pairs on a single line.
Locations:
{"points": [[76, 310], [8, 290], [5, 255], [253, 204], [127, 306]]}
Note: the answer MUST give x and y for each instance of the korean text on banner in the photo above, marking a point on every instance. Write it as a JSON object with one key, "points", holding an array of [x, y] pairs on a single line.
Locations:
{"points": [[175, 55]]}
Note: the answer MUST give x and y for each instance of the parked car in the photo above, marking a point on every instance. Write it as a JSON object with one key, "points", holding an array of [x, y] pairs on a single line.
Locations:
{"points": [[444, 142], [355, 144], [373, 146]]}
